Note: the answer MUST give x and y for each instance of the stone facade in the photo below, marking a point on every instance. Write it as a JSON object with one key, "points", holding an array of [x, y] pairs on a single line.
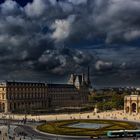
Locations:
{"points": [[132, 104], [22, 96], [27, 96]]}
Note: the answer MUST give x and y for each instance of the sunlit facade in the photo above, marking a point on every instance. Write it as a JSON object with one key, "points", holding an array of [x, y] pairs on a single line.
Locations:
{"points": [[132, 104], [22, 96]]}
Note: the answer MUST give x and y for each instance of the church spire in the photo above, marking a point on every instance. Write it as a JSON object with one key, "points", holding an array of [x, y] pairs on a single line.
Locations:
{"points": [[88, 77]]}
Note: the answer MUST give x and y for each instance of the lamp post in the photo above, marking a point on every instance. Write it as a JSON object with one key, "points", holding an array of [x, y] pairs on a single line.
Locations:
{"points": [[8, 123], [25, 117]]}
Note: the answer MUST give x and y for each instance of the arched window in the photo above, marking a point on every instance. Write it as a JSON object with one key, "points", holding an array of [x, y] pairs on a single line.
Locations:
{"points": [[127, 109], [3, 106]]}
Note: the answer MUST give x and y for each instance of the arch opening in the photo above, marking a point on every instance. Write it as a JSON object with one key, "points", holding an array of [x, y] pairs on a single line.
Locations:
{"points": [[134, 108]]}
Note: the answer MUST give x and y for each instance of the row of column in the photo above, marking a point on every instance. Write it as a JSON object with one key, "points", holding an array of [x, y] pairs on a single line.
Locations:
{"points": [[25, 106]]}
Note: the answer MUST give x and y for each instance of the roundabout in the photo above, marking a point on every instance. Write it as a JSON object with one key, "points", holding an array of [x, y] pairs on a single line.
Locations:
{"points": [[85, 127]]}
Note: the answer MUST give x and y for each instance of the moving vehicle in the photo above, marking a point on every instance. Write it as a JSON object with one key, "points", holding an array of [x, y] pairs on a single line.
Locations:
{"points": [[123, 133]]}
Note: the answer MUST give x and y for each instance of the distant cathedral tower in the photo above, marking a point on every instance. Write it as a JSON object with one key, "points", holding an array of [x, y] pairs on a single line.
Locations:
{"points": [[72, 79], [79, 80]]}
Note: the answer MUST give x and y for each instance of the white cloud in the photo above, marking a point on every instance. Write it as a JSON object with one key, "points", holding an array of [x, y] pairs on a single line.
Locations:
{"points": [[9, 7], [130, 35], [36, 8], [66, 7], [62, 28], [77, 2], [102, 65]]}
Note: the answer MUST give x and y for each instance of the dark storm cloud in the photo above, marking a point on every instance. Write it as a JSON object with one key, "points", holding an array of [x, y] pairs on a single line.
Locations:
{"points": [[117, 65], [115, 20], [28, 45], [37, 40]]}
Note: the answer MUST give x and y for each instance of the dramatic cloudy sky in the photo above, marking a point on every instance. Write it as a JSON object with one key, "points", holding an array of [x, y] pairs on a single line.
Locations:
{"points": [[49, 39]]}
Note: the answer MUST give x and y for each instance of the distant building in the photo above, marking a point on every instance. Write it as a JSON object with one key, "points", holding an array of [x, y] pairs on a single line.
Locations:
{"points": [[3, 133], [23, 97], [132, 104]]}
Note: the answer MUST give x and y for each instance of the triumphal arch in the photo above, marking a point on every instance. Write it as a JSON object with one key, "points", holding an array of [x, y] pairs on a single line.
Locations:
{"points": [[132, 104]]}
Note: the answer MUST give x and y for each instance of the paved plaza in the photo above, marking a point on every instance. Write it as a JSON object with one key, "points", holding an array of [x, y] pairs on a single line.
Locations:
{"points": [[19, 131], [120, 115]]}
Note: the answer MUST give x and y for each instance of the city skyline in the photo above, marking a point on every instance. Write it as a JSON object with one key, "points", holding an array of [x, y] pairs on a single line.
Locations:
{"points": [[50, 39]]}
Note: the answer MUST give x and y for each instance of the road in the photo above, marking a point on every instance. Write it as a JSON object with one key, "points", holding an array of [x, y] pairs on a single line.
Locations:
{"points": [[27, 132], [36, 135]]}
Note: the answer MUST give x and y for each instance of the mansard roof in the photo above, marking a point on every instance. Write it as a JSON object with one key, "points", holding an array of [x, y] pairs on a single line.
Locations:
{"points": [[60, 86], [36, 83], [13, 82]]}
